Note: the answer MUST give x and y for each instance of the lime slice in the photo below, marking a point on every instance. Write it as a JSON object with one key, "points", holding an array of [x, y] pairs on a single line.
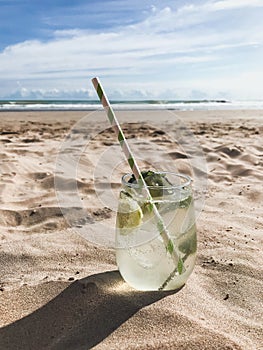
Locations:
{"points": [[129, 213]]}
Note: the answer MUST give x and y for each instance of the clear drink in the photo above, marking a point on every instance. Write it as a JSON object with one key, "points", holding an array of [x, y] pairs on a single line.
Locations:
{"points": [[141, 254]]}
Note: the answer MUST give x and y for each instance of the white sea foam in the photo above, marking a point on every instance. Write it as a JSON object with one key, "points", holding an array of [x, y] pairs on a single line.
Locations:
{"points": [[129, 105]]}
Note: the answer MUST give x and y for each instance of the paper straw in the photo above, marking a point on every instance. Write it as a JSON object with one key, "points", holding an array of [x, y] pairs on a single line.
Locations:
{"points": [[169, 244]]}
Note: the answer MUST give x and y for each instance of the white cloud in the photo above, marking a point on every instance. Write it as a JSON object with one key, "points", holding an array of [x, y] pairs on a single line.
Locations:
{"points": [[212, 6], [71, 94], [163, 48], [234, 4]]}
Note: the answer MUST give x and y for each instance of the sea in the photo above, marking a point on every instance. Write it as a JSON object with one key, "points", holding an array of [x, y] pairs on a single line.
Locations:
{"points": [[91, 105]]}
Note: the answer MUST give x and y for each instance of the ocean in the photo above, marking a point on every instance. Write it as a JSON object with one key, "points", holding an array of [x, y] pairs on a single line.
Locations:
{"points": [[90, 105]]}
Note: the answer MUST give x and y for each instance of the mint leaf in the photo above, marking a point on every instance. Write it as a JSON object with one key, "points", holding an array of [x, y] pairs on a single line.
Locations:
{"points": [[158, 183], [149, 206]]}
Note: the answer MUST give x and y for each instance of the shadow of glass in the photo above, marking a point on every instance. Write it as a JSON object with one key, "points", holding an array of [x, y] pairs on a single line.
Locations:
{"points": [[81, 316]]}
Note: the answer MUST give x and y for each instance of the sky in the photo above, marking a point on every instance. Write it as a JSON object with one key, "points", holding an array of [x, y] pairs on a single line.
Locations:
{"points": [[195, 49]]}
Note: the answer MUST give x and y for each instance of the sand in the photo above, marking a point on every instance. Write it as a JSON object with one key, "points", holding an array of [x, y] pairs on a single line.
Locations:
{"points": [[59, 290]]}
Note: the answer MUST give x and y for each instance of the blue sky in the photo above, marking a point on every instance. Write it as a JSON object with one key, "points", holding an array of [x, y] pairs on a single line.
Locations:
{"points": [[140, 49]]}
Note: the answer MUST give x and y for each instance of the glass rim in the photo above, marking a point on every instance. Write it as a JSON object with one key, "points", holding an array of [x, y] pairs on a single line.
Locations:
{"points": [[187, 182]]}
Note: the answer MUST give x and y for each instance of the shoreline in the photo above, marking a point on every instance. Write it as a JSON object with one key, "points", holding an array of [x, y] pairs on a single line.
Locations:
{"points": [[145, 114], [125, 105]]}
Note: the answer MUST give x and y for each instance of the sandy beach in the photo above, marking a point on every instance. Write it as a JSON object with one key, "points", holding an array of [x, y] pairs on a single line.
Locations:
{"points": [[59, 284]]}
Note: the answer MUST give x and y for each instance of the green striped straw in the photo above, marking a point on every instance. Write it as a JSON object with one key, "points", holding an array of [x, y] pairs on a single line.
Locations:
{"points": [[169, 244]]}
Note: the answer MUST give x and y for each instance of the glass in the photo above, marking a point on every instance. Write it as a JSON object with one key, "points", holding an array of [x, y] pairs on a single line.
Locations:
{"points": [[142, 257]]}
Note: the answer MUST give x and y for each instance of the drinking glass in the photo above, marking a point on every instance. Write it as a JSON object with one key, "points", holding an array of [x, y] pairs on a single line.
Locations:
{"points": [[143, 259]]}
